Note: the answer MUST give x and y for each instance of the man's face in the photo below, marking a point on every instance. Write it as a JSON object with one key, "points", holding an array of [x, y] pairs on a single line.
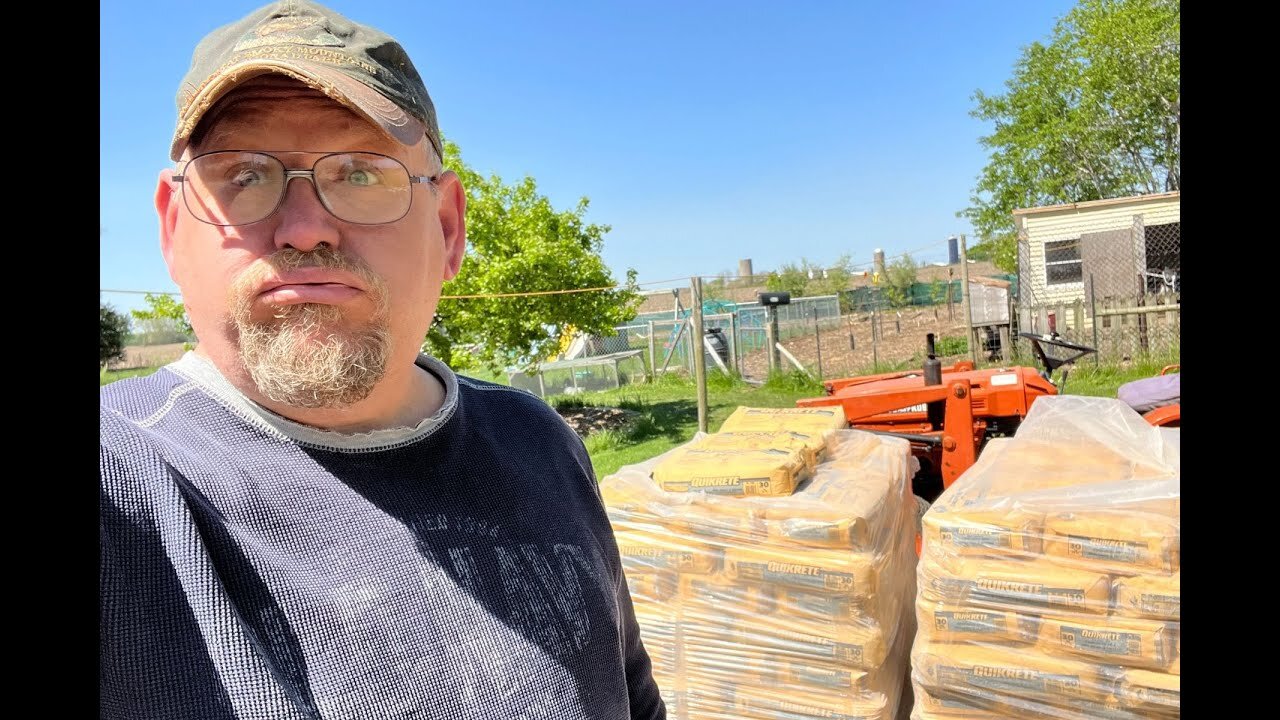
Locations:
{"points": [[314, 308]]}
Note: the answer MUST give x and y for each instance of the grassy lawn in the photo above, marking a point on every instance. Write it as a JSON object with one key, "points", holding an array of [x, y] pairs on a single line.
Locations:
{"points": [[670, 413], [1104, 380], [669, 407], [110, 376]]}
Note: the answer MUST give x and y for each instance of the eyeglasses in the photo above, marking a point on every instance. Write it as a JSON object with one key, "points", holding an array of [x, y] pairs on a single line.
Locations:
{"points": [[240, 187]]}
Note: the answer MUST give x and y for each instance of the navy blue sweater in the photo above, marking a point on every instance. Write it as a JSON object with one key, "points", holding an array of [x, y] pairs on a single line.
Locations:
{"points": [[256, 568]]}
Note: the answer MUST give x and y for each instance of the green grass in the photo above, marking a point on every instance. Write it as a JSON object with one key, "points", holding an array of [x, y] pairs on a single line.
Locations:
{"points": [[669, 407], [110, 376], [1104, 380], [670, 411]]}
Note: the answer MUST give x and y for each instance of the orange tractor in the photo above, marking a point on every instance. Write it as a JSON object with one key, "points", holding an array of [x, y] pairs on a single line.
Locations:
{"points": [[949, 413]]}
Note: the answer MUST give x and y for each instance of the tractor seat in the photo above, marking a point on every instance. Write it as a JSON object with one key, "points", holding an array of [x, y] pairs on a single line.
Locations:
{"points": [[1150, 393]]}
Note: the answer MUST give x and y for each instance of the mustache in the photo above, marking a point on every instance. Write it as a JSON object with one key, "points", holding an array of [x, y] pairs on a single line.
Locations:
{"points": [[289, 259], [323, 256]]}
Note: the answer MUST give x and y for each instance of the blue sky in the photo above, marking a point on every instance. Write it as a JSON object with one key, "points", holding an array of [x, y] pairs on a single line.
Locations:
{"points": [[702, 132]]}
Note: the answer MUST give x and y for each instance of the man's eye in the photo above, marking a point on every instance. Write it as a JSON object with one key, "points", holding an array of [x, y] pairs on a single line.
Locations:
{"points": [[362, 178], [248, 177]]}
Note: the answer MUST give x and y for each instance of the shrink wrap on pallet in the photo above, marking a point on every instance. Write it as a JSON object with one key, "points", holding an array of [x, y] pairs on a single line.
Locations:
{"points": [[1049, 579], [784, 607]]}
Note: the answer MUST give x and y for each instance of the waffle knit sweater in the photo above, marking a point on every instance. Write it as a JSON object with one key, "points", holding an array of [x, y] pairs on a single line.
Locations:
{"points": [[251, 567]]}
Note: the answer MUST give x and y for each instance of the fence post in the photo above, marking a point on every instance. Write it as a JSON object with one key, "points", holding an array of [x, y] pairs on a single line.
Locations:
{"points": [[771, 336], [968, 306], [1142, 319], [875, 338], [733, 340], [699, 353], [817, 341], [653, 366], [1093, 312]]}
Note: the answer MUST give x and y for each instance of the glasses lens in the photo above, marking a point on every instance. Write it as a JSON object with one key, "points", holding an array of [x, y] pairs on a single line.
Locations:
{"points": [[233, 188], [364, 188]]}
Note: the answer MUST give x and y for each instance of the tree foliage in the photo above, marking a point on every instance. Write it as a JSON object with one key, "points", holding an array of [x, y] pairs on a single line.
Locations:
{"points": [[1093, 113], [164, 320], [113, 329], [517, 242], [809, 279], [900, 276]]}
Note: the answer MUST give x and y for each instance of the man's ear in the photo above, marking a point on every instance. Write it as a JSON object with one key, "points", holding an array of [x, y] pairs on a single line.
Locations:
{"points": [[453, 221], [168, 204]]}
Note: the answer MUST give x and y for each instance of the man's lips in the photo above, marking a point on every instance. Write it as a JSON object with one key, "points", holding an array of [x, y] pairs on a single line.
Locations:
{"points": [[324, 287]]}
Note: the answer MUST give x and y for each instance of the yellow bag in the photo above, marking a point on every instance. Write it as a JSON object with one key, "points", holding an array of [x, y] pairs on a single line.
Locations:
{"points": [[1158, 597], [1132, 643], [811, 445], [1027, 586], [1119, 541], [1003, 674], [1150, 691], [746, 702], [644, 552], [945, 707], [955, 623], [850, 646], [655, 587], [718, 520], [848, 572], [751, 665], [731, 472], [801, 420], [728, 598], [1013, 532]]}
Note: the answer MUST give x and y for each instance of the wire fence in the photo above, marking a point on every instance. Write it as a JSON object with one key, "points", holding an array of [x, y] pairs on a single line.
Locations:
{"points": [[1116, 290]]}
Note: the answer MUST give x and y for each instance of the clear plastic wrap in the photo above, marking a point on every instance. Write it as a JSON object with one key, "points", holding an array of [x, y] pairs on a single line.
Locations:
{"points": [[1049, 580], [776, 607]]}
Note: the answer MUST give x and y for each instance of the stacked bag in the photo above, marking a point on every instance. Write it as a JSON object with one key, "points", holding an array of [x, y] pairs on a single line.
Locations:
{"points": [[1048, 585], [772, 567]]}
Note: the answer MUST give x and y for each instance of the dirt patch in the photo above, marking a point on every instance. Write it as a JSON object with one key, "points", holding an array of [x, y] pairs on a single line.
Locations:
{"points": [[902, 337], [145, 356], [588, 420]]}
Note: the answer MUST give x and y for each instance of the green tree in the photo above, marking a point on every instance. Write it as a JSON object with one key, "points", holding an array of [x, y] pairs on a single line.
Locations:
{"points": [[1094, 113], [112, 330], [164, 321], [790, 278], [833, 279], [518, 243], [938, 291], [900, 275]]}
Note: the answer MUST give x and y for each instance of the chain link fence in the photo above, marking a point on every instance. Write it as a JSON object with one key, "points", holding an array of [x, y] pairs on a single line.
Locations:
{"points": [[1116, 290]]}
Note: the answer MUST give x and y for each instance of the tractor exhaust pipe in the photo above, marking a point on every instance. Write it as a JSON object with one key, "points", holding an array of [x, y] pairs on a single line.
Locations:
{"points": [[932, 365], [935, 411]]}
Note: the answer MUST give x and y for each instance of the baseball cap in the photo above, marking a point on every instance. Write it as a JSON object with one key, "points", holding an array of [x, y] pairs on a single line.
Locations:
{"points": [[356, 65]]}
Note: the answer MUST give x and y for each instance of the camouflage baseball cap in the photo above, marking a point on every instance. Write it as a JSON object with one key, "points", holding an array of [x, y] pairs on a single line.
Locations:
{"points": [[359, 66]]}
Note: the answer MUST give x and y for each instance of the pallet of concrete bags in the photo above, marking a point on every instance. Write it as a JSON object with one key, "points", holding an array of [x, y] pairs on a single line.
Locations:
{"points": [[774, 607], [1049, 581]]}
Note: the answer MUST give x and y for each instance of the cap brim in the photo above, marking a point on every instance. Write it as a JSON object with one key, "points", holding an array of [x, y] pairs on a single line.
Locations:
{"points": [[366, 101]]}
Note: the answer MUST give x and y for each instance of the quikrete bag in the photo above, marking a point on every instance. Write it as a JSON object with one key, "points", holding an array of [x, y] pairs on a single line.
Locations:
{"points": [[1158, 597], [732, 472]]}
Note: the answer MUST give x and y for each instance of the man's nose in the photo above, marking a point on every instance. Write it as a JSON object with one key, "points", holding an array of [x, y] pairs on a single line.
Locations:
{"points": [[304, 222]]}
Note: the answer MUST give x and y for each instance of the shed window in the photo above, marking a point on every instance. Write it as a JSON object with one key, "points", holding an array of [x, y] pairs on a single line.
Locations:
{"points": [[1062, 262]]}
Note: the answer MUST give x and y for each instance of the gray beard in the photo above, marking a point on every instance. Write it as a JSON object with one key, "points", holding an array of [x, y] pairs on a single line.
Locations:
{"points": [[301, 359]]}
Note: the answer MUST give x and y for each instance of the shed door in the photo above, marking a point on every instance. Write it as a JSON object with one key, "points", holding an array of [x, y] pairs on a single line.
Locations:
{"points": [[1110, 259]]}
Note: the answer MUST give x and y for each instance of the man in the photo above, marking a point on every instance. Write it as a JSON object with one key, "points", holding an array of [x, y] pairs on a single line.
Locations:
{"points": [[305, 517]]}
